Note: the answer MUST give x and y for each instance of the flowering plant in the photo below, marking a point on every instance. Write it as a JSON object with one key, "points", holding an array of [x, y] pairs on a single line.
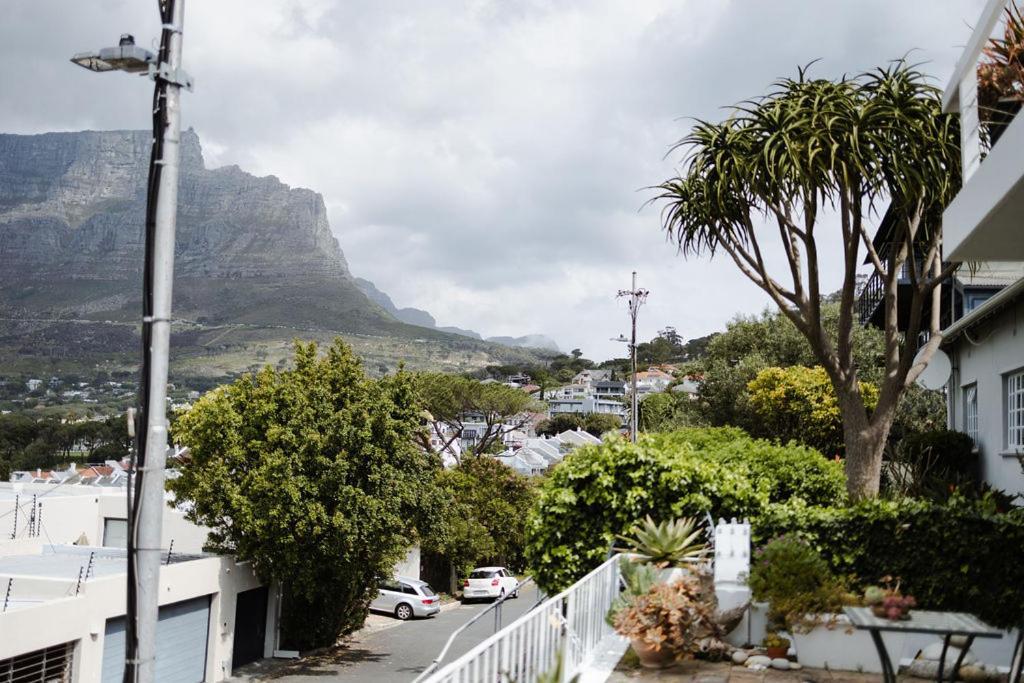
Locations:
{"points": [[887, 601], [676, 616]]}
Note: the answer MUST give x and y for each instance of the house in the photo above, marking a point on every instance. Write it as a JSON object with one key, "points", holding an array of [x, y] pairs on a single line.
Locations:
{"points": [[64, 576], [569, 391], [586, 406], [652, 380], [588, 377], [985, 224], [609, 388]]}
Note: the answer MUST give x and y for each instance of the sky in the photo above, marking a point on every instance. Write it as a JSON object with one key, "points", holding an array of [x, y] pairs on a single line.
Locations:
{"points": [[487, 161]]}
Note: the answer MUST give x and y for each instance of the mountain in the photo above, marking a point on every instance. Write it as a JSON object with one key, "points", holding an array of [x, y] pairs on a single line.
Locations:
{"points": [[412, 316], [256, 263], [530, 341]]}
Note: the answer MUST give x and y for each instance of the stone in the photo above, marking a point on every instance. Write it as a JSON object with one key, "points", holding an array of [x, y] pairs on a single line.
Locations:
{"points": [[957, 641], [975, 673], [923, 668], [780, 663], [740, 656], [934, 651], [758, 661], [796, 666]]}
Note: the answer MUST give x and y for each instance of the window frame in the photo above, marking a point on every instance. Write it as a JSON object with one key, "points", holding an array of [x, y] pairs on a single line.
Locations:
{"points": [[970, 408], [1013, 410]]}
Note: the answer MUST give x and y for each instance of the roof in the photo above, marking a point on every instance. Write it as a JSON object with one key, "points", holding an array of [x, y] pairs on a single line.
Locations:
{"points": [[613, 383], [995, 304]]}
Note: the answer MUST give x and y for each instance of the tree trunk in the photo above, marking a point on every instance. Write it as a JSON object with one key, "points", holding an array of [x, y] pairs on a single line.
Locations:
{"points": [[865, 441]]}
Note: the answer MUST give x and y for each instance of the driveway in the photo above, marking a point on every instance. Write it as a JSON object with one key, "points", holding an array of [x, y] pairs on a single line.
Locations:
{"points": [[388, 650]]}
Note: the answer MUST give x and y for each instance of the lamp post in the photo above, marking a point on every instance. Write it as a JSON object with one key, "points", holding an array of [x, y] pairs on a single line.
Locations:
{"points": [[635, 298], [145, 507]]}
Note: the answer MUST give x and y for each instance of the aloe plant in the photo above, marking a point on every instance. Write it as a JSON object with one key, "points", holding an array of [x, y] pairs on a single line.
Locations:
{"points": [[672, 543]]}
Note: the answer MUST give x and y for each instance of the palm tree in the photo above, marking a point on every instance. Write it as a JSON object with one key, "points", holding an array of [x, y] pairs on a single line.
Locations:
{"points": [[815, 155]]}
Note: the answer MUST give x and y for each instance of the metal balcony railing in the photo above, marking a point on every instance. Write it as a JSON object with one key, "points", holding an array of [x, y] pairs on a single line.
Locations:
{"points": [[570, 625]]}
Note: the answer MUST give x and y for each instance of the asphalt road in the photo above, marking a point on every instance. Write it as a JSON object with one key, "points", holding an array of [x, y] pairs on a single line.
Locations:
{"points": [[392, 653]]}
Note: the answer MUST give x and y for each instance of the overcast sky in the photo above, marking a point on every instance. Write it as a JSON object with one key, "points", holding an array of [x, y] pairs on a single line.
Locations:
{"points": [[485, 161]]}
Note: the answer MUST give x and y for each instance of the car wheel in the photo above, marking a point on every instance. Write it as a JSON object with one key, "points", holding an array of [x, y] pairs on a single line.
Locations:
{"points": [[403, 612]]}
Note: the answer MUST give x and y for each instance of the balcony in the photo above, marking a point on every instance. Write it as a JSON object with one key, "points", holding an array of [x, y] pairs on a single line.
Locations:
{"points": [[983, 222]]}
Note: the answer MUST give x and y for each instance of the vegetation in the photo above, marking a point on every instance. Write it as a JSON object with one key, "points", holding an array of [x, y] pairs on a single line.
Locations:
{"points": [[810, 149], [961, 555], [482, 515], [597, 424], [799, 404], [1001, 77], [599, 492], [671, 543], [453, 400], [668, 410], [933, 464], [675, 617], [312, 475], [796, 582], [27, 443]]}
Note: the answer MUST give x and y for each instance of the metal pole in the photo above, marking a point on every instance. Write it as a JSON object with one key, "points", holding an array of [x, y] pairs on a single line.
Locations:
{"points": [[632, 347], [150, 501]]}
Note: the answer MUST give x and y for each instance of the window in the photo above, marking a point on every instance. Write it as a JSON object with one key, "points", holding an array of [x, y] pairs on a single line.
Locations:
{"points": [[971, 412], [51, 665], [115, 532], [409, 590], [1015, 410]]}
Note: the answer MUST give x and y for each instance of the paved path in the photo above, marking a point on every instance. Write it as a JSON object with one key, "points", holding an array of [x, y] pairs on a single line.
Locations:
{"points": [[389, 653]]}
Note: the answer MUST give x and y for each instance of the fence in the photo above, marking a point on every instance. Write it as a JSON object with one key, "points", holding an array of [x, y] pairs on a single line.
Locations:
{"points": [[570, 624]]}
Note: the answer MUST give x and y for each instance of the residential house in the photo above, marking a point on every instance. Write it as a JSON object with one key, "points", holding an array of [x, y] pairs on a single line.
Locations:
{"points": [[985, 224], [652, 380], [586, 406], [609, 388], [588, 377], [64, 574]]}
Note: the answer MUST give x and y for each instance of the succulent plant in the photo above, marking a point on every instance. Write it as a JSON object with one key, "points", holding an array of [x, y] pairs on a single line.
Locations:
{"points": [[775, 640], [874, 596], [672, 543]]}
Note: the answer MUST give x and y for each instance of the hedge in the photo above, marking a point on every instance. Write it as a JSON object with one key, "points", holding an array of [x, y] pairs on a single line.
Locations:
{"points": [[600, 491], [960, 556]]}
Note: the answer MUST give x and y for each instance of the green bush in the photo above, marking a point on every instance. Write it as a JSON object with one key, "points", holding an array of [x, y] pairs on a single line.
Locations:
{"points": [[931, 464], [601, 491], [961, 555]]}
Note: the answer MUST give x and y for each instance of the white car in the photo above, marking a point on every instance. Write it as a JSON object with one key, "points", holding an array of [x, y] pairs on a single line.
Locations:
{"points": [[406, 598], [490, 582]]}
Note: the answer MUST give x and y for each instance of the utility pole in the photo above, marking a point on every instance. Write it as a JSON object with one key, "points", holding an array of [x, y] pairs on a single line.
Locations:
{"points": [[145, 513], [635, 297]]}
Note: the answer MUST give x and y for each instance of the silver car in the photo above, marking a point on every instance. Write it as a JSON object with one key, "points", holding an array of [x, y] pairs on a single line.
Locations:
{"points": [[406, 598]]}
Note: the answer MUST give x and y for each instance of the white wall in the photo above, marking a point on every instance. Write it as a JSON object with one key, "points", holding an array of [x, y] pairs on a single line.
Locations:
{"points": [[997, 348], [409, 566], [82, 618]]}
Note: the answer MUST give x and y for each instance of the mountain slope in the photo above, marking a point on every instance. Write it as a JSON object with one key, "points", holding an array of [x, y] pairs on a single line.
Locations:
{"points": [[256, 262]]}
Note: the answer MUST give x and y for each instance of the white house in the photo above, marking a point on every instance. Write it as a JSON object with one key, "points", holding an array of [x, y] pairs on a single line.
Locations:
{"points": [[586, 406], [63, 578], [985, 223]]}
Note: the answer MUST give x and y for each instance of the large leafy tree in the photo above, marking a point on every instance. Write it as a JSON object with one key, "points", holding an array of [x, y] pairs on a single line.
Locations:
{"points": [[817, 154], [453, 401], [312, 475]]}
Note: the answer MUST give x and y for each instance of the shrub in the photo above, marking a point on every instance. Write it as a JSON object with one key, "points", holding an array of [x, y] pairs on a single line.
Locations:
{"points": [[675, 616], [599, 492], [796, 582], [961, 555], [932, 463]]}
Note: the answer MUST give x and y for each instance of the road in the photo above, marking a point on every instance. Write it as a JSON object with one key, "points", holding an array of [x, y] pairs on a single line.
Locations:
{"points": [[391, 653]]}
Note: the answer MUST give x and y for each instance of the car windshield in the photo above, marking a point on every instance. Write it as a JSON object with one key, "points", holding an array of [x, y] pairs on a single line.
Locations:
{"points": [[483, 574]]}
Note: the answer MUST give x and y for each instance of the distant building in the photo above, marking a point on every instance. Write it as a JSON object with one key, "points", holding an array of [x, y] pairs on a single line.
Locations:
{"points": [[609, 389], [34, 384], [586, 406]]}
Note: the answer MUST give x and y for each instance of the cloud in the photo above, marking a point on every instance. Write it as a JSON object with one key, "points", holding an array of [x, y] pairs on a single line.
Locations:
{"points": [[483, 160]]}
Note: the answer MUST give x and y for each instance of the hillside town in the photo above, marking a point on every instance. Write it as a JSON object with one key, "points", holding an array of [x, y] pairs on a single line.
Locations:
{"points": [[761, 420]]}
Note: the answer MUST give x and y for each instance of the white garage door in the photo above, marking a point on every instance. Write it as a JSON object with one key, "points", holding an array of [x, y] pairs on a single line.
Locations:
{"points": [[180, 643]]}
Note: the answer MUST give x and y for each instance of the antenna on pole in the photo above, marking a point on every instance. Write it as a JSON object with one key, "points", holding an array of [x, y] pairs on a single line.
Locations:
{"points": [[635, 298]]}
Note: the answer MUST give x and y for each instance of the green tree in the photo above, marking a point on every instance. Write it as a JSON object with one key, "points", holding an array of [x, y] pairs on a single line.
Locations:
{"points": [[313, 476], [453, 401], [666, 411], [799, 404], [556, 424], [780, 168], [599, 424], [483, 515]]}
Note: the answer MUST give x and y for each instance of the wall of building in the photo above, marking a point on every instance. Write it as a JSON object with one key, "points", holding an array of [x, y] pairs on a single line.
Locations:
{"points": [[990, 351], [81, 619]]}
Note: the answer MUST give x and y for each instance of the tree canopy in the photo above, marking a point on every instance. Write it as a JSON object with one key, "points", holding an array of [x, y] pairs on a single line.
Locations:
{"points": [[814, 148], [312, 475]]}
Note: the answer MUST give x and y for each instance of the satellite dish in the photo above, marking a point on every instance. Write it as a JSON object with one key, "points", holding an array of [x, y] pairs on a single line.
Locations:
{"points": [[936, 373]]}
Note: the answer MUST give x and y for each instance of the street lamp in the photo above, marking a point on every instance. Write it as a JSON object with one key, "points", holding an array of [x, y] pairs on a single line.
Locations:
{"points": [[145, 503]]}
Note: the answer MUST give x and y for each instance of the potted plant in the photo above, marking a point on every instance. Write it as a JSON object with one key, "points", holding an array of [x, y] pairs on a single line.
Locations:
{"points": [[776, 646], [806, 598], [669, 545], [887, 602], [667, 623]]}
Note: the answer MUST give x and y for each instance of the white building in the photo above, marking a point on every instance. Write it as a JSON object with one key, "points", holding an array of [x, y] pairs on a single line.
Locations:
{"points": [[63, 578], [985, 223], [586, 406]]}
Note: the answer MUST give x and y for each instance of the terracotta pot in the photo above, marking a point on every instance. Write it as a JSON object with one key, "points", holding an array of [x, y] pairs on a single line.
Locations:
{"points": [[777, 652], [651, 658]]}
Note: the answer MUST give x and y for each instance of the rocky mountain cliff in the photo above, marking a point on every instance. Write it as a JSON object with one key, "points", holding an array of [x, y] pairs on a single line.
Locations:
{"points": [[256, 261]]}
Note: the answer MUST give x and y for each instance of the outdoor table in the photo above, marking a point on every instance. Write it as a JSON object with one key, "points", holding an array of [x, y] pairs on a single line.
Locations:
{"points": [[944, 624]]}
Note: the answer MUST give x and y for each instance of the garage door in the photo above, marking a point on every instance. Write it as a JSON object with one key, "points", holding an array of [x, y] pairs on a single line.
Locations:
{"points": [[181, 638], [250, 626]]}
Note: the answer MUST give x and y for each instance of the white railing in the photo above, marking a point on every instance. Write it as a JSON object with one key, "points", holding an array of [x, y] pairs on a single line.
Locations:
{"points": [[961, 95], [571, 625]]}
